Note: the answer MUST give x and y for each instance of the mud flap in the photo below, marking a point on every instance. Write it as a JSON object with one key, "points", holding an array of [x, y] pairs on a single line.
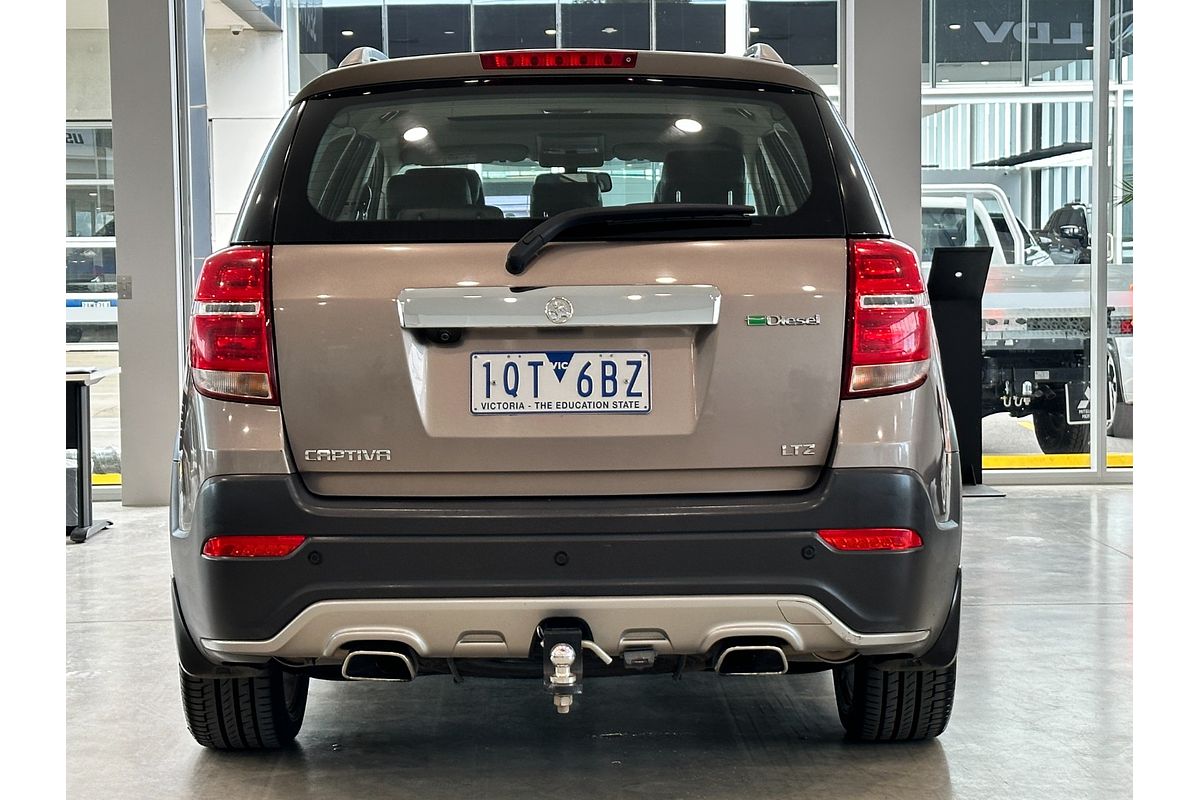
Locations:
{"points": [[944, 651], [192, 659], [1078, 402]]}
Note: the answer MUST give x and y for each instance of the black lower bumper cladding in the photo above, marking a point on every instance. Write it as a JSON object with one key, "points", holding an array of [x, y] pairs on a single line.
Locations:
{"points": [[555, 547]]}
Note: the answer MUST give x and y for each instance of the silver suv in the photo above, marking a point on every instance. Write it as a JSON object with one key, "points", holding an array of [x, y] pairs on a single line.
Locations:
{"points": [[674, 406]]}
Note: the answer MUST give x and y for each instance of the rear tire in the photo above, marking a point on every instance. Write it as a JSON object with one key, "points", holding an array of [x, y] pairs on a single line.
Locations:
{"points": [[1055, 435], [880, 705], [245, 713], [1112, 389], [1122, 422]]}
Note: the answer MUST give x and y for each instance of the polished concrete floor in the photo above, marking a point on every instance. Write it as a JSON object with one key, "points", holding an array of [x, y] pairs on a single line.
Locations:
{"points": [[1043, 707]]}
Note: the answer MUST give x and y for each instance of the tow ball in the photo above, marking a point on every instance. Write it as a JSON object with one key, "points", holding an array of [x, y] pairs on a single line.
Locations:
{"points": [[562, 665], [563, 682]]}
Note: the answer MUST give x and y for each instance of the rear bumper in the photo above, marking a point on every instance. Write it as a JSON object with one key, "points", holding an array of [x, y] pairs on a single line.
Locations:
{"points": [[435, 571]]}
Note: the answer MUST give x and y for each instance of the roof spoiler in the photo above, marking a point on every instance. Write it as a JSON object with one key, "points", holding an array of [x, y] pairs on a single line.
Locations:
{"points": [[363, 55], [764, 52]]}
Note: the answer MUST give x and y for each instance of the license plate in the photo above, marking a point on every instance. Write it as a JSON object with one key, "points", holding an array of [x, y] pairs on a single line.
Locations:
{"points": [[561, 382]]}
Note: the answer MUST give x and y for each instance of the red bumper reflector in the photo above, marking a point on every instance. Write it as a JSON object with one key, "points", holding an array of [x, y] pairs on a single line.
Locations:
{"points": [[559, 59], [866, 539], [251, 546]]}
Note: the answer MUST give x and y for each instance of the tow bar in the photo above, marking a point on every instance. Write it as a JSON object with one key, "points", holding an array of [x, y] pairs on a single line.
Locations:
{"points": [[562, 665]]}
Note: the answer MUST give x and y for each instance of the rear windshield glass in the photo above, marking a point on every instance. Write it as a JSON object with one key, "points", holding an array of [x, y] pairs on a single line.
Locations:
{"points": [[485, 162]]}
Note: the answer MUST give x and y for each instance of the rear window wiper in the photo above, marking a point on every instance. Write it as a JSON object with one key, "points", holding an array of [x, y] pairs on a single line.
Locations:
{"points": [[528, 246]]}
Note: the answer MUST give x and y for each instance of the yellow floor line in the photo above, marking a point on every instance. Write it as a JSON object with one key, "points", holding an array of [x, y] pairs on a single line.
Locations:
{"points": [[1056, 461]]}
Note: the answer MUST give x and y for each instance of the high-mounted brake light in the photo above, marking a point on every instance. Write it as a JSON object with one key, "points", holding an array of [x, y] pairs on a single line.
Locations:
{"points": [[251, 546], [888, 325], [860, 540], [559, 59], [230, 339]]}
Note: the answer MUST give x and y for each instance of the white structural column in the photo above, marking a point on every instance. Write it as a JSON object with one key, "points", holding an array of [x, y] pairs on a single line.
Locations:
{"points": [[150, 249], [737, 27], [880, 86], [1101, 206]]}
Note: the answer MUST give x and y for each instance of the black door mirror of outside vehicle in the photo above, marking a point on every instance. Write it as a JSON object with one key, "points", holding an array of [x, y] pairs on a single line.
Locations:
{"points": [[1072, 232]]}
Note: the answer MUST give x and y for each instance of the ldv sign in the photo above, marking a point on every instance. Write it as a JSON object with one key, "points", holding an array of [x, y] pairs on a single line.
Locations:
{"points": [[992, 30], [1041, 33]]}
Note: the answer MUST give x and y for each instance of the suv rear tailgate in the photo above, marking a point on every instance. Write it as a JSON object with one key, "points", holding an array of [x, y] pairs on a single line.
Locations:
{"points": [[372, 408]]}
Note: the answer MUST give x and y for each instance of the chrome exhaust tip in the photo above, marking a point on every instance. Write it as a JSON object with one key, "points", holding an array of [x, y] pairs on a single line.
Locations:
{"points": [[745, 659], [379, 665]]}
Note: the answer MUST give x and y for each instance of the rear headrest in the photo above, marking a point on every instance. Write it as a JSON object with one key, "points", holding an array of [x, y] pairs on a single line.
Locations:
{"points": [[553, 193], [702, 175], [434, 187]]}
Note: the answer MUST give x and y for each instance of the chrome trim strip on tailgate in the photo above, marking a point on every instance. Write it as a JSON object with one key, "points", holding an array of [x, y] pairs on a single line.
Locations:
{"points": [[502, 627], [585, 306]]}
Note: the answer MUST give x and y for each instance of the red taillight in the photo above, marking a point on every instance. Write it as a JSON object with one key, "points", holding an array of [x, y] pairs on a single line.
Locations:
{"points": [[860, 540], [888, 320], [230, 340], [559, 59], [251, 546]]}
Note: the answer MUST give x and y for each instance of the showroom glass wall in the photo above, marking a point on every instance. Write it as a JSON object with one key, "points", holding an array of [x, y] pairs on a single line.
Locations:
{"points": [[91, 235], [323, 32], [804, 32], [1007, 143], [91, 288], [90, 307]]}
